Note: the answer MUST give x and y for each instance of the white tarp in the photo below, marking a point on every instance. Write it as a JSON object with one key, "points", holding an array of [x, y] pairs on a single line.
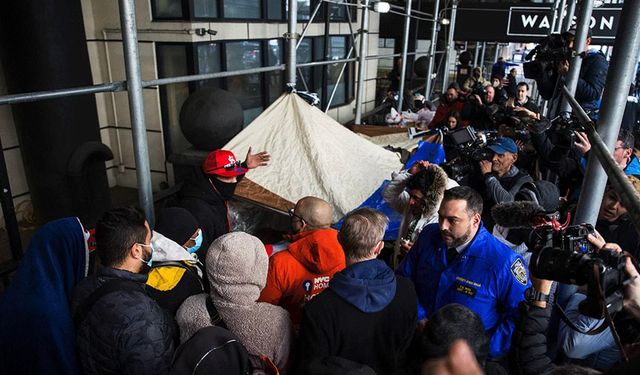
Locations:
{"points": [[313, 155]]}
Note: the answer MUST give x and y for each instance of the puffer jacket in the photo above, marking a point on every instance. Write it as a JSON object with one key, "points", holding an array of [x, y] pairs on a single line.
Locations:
{"points": [[528, 355], [125, 332]]}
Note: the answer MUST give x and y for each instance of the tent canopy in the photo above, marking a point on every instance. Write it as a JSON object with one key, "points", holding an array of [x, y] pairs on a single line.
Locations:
{"points": [[311, 155]]}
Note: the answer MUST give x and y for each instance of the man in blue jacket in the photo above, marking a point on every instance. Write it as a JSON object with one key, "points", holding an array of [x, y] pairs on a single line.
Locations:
{"points": [[458, 261]]}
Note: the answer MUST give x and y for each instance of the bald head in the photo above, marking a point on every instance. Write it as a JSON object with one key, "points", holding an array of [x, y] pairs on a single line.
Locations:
{"points": [[317, 213]]}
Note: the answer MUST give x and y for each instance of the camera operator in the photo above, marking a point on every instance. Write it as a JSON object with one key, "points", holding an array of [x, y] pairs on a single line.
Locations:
{"points": [[530, 342], [450, 102], [480, 107], [502, 179], [592, 77]]}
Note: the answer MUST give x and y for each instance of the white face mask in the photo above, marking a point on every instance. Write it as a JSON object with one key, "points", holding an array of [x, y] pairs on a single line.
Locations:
{"points": [[149, 261]]}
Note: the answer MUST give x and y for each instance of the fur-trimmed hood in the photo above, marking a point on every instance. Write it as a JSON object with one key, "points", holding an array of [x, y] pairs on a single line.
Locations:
{"points": [[433, 195]]}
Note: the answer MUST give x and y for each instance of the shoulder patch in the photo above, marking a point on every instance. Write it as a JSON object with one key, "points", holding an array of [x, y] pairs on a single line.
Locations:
{"points": [[519, 271]]}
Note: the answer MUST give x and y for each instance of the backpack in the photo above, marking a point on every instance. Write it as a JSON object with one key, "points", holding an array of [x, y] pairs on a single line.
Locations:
{"points": [[261, 365]]}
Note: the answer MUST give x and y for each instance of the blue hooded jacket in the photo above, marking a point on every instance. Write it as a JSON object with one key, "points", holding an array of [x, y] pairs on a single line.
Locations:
{"points": [[370, 285], [37, 335]]}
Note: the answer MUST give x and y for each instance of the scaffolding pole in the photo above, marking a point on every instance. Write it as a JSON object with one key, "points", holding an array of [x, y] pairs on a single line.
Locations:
{"points": [[361, 61], [291, 37], [484, 49], [476, 52], [614, 100], [584, 18], [432, 50], [136, 107], [570, 12], [452, 27], [405, 49], [561, 15]]}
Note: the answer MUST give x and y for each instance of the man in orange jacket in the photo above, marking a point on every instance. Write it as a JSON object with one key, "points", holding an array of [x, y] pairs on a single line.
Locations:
{"points": [[302, 271]]}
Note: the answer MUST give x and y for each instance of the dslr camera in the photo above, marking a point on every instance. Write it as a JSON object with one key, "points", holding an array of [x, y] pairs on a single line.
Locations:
{"points": [[565, 255]]}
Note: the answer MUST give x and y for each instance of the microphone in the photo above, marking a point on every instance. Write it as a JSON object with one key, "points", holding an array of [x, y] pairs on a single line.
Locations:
{"points": [[518, 214]]}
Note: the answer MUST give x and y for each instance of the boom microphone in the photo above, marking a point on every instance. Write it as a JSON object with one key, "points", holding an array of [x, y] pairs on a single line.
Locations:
{"points": [[518, 214]]}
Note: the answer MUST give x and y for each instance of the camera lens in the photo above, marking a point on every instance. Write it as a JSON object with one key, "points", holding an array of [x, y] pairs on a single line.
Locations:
{"points": [[559, 265]]}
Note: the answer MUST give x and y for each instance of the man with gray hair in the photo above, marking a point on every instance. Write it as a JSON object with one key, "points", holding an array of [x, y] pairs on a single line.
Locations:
{"points": [[367, 314]]}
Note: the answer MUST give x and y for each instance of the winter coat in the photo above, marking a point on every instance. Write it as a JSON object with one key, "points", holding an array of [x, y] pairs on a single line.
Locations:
{"points": [[394, 195], [125, 332], [443, 111], [175, 276], [487, 277], [36, 326], [237, 268], [529, 352], [368, 315], [209, 209], [298, 274]]}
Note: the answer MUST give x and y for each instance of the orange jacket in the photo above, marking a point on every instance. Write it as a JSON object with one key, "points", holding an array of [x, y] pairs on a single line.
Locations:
{"points": [[302, 271]]}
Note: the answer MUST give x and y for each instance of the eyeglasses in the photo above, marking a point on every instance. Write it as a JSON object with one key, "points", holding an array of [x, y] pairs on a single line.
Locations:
{"points": [[292, 214]]}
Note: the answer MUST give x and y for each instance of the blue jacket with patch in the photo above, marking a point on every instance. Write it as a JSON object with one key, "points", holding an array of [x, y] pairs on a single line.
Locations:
{"points": [[487, 277]]}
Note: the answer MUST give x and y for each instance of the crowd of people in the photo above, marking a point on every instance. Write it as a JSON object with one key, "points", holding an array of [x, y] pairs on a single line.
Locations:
{"points": [[455, 293]]}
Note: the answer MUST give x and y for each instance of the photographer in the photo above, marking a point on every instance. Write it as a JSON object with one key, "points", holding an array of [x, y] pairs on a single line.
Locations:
{"points": [[480, 107], [530, 342], [592, 77], [502, 179]]}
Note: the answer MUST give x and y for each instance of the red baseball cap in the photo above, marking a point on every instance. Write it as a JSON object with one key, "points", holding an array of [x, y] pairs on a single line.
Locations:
{"points": [[222, 163]]}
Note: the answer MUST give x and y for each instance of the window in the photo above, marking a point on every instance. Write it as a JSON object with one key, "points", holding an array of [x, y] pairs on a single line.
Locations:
{"points": [[266, 10], [246, 88], [257, 91], [324, 79]]}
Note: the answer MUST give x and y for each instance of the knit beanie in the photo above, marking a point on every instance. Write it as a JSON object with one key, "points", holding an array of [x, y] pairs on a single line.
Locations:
{"points": [[237, 265], [177, 224]]}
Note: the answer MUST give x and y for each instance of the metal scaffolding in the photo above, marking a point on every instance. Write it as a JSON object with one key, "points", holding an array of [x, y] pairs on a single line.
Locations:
{"points": [[621, 72], [134, 84]]}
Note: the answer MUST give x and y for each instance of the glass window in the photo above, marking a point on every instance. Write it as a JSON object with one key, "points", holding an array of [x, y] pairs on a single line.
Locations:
{"points": [[246, 88], [172, 62], [208, 62], [242, 9], [205, 8], [274, 9], [167, 8], [337, 51], [275, 80], [304, 55]]}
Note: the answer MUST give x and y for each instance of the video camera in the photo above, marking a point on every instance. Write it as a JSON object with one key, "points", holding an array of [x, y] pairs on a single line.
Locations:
{"points": [[465, 149], [546, 57], [566, 125], [563, 253]]}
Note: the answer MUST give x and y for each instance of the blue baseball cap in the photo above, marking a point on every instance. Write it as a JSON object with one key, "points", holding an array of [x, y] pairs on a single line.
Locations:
{"points": [[502, 145]]}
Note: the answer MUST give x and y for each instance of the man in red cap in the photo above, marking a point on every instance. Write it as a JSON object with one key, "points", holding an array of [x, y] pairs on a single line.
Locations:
{"points": [[206, 198]]}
